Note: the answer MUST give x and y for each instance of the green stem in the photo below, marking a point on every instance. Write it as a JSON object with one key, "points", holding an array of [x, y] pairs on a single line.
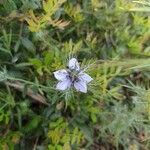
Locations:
{"points": [[29, 82]]}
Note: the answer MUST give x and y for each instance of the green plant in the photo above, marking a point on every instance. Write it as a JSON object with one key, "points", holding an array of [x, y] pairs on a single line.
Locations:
{"points": [[110, 39]]}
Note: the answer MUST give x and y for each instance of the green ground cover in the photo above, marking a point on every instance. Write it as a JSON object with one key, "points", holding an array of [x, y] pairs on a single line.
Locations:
{"points": [[111, 39]]}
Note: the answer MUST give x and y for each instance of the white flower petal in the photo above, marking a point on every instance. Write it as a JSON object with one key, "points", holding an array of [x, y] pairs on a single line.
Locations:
{"points": [[61, 75], [73, 64], [85, 77], [63, 85], [80, 86]]}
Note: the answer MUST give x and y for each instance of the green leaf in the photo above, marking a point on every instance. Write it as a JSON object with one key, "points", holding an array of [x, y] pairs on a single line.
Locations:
{"points": [[28, 44], [32, 124], [87, 131], [36, 63]]}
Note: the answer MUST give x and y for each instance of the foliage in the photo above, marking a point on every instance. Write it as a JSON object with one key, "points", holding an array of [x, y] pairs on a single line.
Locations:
{"points": [[59, 133], [110, 38]]}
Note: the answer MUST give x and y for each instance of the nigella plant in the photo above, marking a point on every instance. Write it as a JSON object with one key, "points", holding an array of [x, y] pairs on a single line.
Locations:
{"points": [[72, 76]]}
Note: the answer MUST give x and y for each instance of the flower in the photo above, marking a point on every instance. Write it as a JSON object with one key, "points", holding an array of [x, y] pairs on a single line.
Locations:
{"points": [[73, 76]]}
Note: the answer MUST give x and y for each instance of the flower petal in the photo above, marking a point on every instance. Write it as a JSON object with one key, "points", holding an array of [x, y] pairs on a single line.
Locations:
{"points": [[61, 74], [73, 64], [63, 85], [85, 77], [80, 86]]}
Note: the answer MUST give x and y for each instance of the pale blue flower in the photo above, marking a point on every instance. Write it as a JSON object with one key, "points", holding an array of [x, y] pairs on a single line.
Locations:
{"points": [[73, 76]]}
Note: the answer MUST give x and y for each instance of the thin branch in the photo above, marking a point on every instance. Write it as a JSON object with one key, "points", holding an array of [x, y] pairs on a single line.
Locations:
{"points": [[20, 87]]}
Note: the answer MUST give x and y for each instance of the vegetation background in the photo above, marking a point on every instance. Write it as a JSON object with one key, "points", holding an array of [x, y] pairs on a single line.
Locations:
{"points": [[37, 37]]}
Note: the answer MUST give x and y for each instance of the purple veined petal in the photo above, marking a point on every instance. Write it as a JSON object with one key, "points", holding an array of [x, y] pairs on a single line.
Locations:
{"points": [[80, 86], [73, 64], [61, 75], [63, 85], [85, 77]]}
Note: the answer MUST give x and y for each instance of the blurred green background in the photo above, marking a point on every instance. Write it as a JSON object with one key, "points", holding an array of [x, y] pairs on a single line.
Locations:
{"points": [[38, 37]]}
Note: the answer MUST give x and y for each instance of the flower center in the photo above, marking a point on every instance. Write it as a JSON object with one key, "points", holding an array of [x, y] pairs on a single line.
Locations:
{"points": [[73, 74]]}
